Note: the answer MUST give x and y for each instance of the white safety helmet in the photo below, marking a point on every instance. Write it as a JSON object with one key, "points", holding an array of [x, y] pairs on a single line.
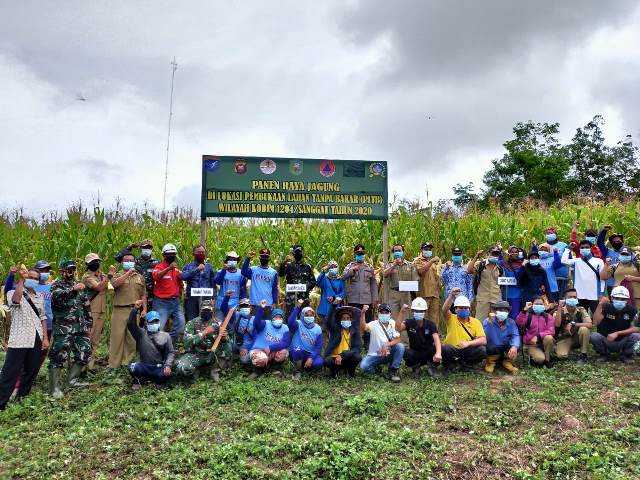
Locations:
{"points": [[461, 301], [169, 248], [620, 292], [419, 304]]}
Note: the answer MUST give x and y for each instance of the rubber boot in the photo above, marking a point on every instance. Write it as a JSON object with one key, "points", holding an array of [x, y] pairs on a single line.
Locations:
{"points": [[75, 370], [509, 366], [490, 366], [54, 383]]}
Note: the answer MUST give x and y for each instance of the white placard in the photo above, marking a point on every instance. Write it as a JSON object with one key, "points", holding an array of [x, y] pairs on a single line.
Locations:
{"points": [[202, 292], [296, 287], [408, 285], [508, 281]]}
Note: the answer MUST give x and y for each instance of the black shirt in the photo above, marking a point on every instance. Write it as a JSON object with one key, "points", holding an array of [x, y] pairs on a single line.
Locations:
{"points": [[421, 339], [616, 320]]}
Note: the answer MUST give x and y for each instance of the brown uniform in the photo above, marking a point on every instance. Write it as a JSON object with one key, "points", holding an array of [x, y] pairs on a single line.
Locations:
{"points": [[393, 296], [429, 287], [578, 337], [488, 289], [98, 310], [618, 272], [122, 346]]}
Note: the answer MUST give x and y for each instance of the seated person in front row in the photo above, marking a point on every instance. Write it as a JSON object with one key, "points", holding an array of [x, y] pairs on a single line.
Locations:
{"points": [[503, 338], [424, 340], [345, 341], [465, 343]]}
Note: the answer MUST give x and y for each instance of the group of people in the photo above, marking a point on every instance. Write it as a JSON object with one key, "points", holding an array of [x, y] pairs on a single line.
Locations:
{"points": [[547, 301]]}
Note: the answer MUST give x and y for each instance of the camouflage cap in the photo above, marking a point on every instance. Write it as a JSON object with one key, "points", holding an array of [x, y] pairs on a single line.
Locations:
{"points": [[67, 263], [206, 305], [146, 243]]}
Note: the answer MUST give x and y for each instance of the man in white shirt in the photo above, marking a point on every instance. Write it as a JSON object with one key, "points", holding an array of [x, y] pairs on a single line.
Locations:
{"points": [[27, 337], [384, 343], [586, 279]]}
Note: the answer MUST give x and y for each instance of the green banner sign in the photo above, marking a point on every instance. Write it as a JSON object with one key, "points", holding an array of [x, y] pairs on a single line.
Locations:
{"points": [[293, 187]]}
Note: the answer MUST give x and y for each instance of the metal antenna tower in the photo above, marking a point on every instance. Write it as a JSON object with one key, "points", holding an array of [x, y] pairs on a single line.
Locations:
{"points": [[174, 67]]}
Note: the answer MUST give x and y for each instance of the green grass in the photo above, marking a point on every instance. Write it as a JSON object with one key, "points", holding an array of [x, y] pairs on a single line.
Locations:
{"points": [[464, 426]]}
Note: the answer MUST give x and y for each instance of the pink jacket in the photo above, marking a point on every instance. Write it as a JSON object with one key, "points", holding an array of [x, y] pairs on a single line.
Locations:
{"points": [[541, 326]]}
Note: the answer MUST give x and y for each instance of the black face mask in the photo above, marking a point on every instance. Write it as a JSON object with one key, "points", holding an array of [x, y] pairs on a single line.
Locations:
{"points": [[206, 315], [94, 266], [617, 245], [170, 258], [298, 256], [264, 262]]}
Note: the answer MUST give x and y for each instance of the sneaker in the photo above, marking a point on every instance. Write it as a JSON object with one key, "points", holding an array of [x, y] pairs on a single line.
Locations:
{"points": [[582, 359], [416, 371], [393, 375], [547, 364], [602, 358], [215, 375], [626, 360], [276, 373], [296, 376], [433, 372], [136, 386], [253, 375]]}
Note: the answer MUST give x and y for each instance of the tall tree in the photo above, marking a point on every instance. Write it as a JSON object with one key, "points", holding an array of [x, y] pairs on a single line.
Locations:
{"points": [[535, 166]]}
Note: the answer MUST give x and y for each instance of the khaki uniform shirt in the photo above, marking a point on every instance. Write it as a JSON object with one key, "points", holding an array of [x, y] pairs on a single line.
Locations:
{"points": [[429, 282], [131, 290], [567, 317], [488, 288], [406, 271], [91, 281], [618, 273]]}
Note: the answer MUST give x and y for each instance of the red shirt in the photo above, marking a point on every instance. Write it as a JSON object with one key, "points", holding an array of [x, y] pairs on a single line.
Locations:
{"points": [[167, 286]]}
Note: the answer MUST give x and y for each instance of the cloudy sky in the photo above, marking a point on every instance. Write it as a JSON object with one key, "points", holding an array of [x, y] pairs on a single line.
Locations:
{"points": [[328, 79]]}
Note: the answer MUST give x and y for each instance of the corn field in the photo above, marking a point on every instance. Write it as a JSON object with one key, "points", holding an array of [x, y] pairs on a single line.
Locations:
{"points": [[52, 237]]}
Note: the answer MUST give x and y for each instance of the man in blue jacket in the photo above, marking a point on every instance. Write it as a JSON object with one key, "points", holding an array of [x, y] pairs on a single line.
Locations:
{"points": [[503, 338], [197, 274]]}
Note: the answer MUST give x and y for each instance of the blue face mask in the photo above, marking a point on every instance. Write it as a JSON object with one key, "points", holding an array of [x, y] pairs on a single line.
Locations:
{"points": [[551, 237], [625, 258], [493, 259], [384, 317], [456, 258], [544, 254], [418, 315], [345, 323], [128, 265], [571, 302], [333, 272], [44, 276], [427, 253], [591, 240], [309, 321], [153, 327], [359, 258], [232, 263], [619, 304], [276, 322], [502, 316], [146, 252], [538, 309], [30, 283], [534, 262], [245, 312], [585, 252], [398, 254], [463, 313]]}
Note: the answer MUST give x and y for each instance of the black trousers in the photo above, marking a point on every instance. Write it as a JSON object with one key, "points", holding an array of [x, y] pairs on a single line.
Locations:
{"points": [[349, 364], [469, 355], [589, 305], [368, 317], [17, 359], [419, 357]]}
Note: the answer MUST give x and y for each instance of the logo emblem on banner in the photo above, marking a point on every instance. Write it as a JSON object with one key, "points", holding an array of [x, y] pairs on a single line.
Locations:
{"points": [[212, 165], [295, 167], [377, 170], [327, 168], [267, 166], [240, 167]]}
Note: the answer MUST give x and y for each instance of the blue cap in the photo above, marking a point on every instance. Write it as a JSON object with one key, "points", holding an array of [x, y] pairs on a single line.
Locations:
{"points": [[276, 311], [152, 315]]}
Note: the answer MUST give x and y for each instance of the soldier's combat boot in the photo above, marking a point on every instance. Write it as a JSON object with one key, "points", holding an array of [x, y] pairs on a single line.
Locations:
{"points": [[75, 370], [54, 383], [215, 374]]}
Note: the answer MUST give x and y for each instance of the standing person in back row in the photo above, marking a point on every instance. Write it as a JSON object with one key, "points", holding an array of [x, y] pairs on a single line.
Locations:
{"points": [[611, 255], [197, 274], [562, 271], [167, 289], [145, 264], [626, 273], [396, 271], [454, 275], [485, 281], [230, 279], [97, 284], [264, 281], [427, 267], [297, 272], [586, 279], [363, 287]]}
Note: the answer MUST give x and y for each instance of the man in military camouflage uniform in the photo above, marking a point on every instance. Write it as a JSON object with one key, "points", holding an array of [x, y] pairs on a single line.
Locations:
{"points": [[297, 272], [199, 336], [72, 324], [144, 266]]}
